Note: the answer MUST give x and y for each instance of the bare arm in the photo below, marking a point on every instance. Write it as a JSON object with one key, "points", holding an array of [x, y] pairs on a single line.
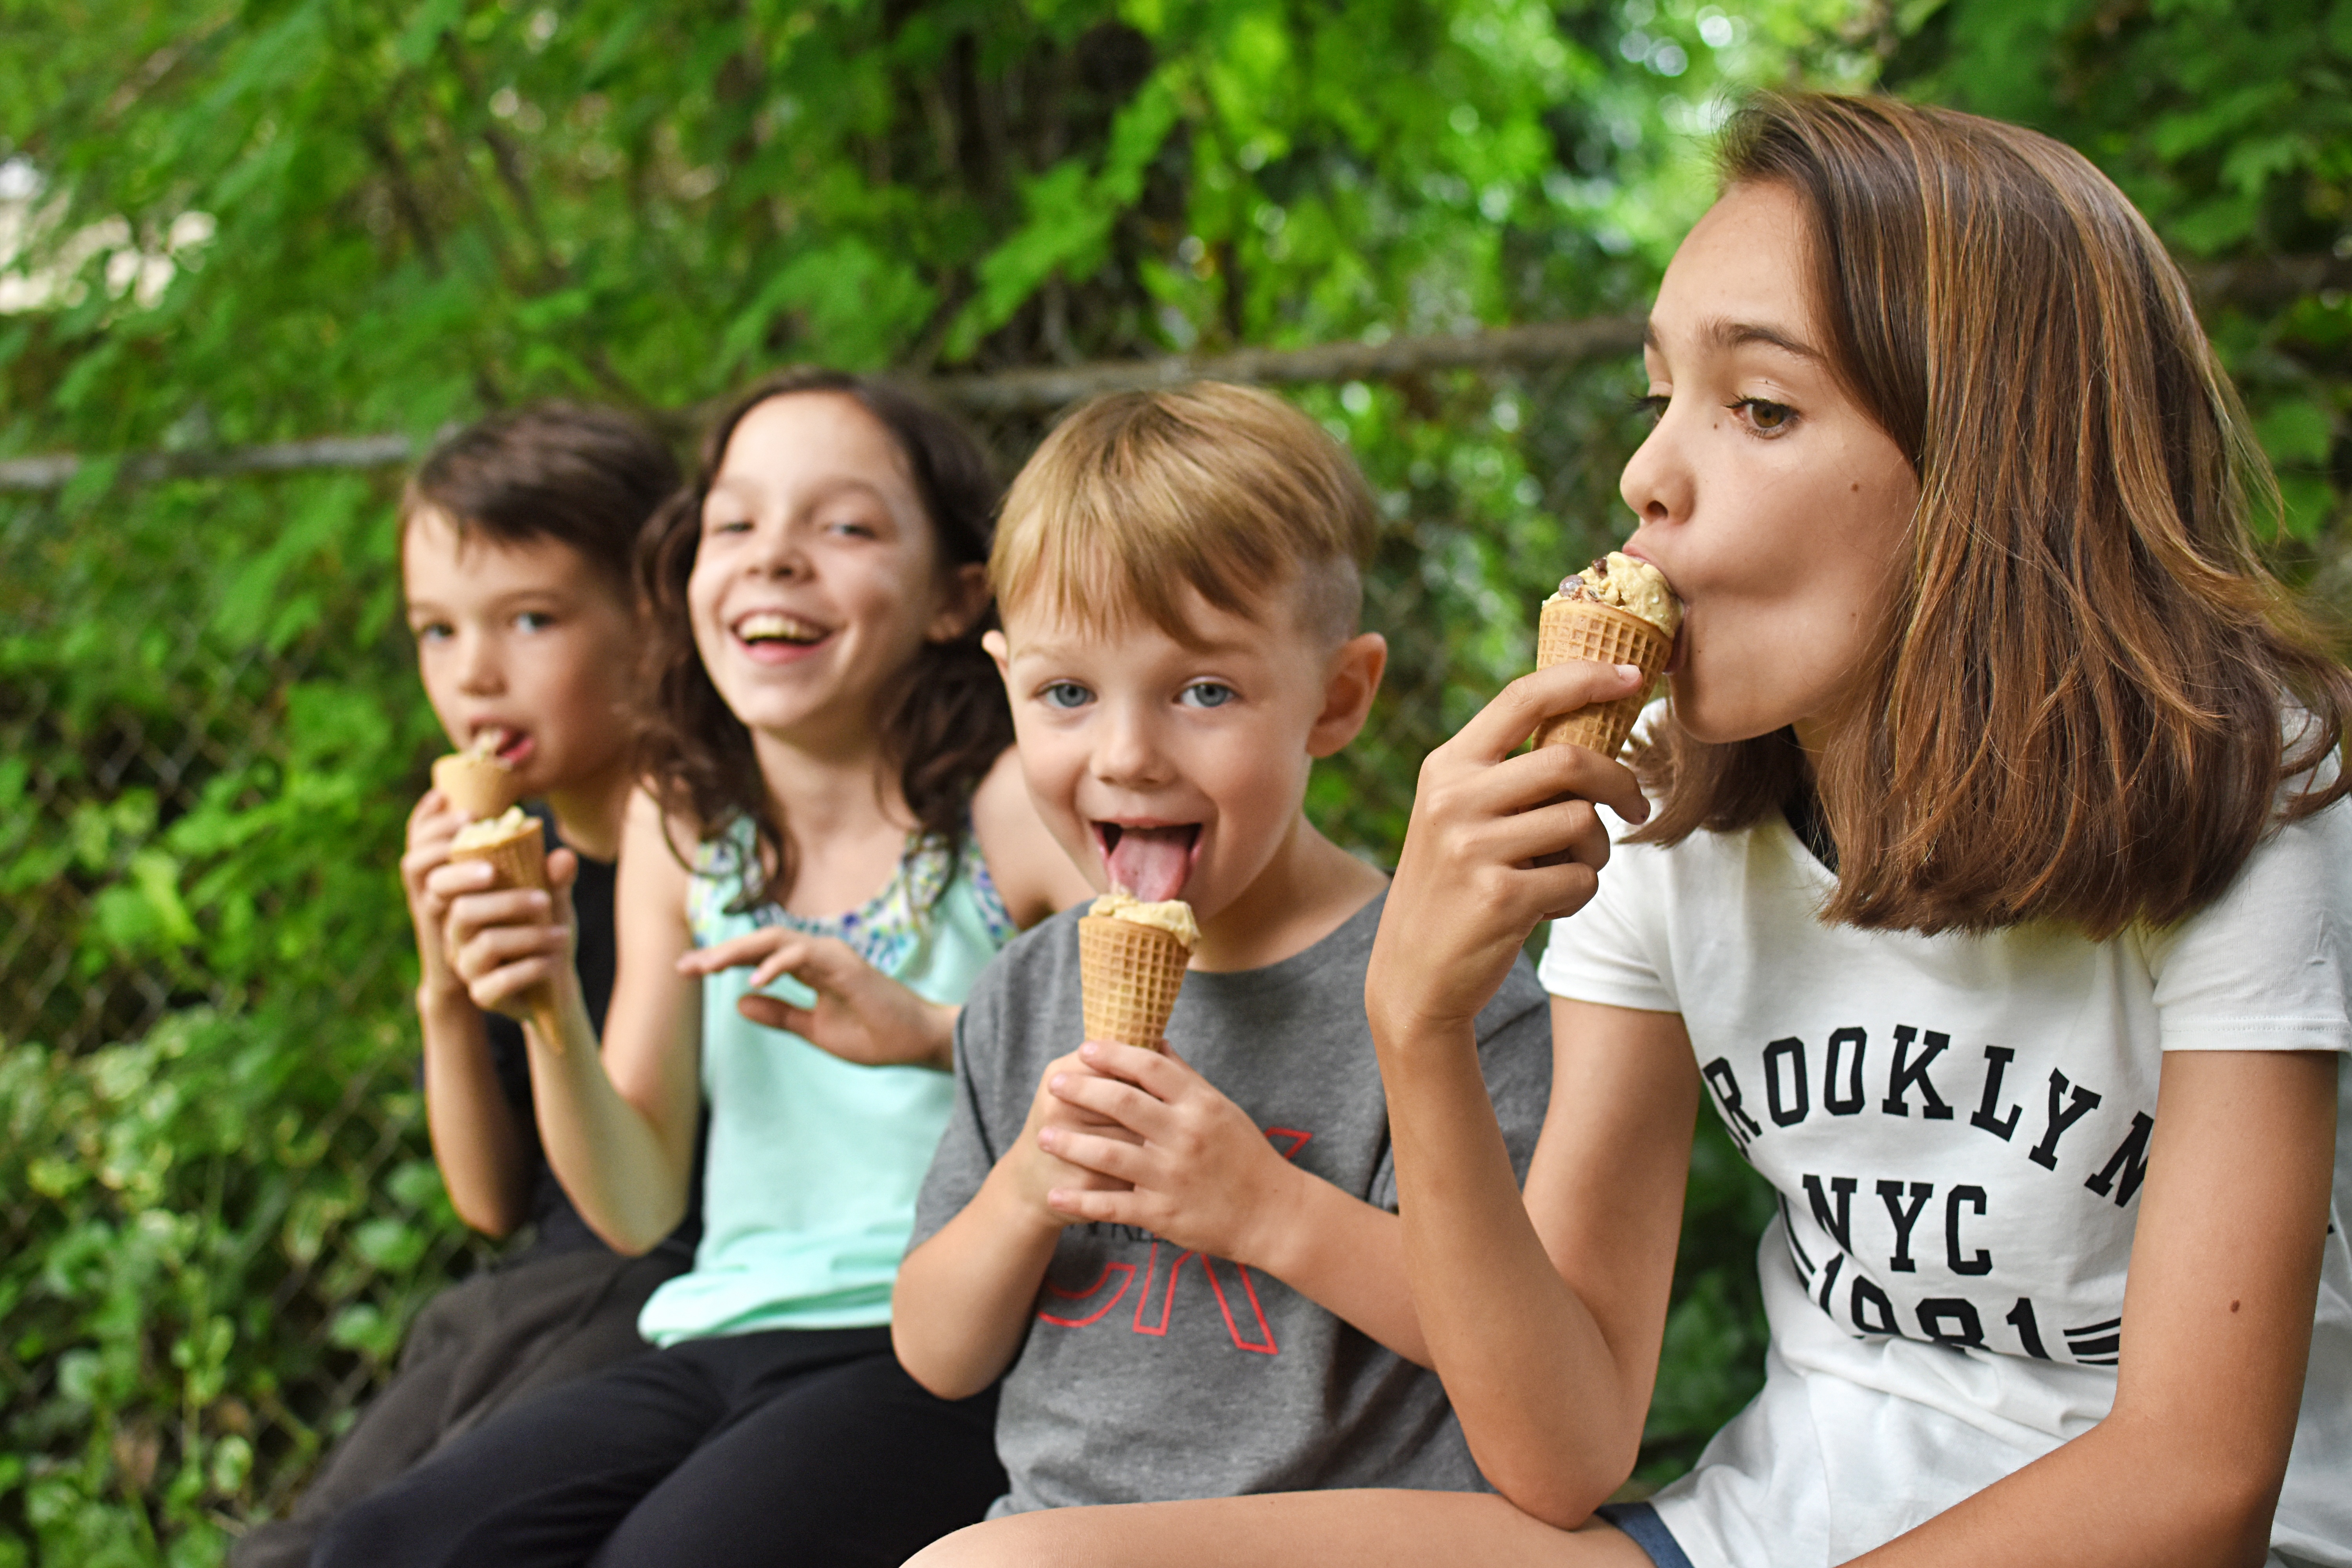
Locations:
{"points": [[965, 1296], [2186, 1468], [1544, 1315], [476, 1140], [619, 1124]]}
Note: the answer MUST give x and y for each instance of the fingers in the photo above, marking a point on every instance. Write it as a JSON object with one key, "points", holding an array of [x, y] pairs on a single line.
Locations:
{"points": [[1112, 1157], [1160, 1073], [775, 1013], [1112, 1099], [1504, 724], [736, 950], [1104, 1206], [502, 989]]}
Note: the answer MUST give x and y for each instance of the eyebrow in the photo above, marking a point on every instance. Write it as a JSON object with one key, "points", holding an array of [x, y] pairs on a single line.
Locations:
{"points": [[1727, 336]]}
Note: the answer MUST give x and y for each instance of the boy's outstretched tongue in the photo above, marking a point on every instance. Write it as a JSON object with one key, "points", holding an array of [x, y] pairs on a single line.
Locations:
{"points": [[1150, 862]]}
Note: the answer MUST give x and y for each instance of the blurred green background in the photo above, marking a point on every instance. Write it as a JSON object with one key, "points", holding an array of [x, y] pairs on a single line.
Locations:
{"points": [[226, 224]]}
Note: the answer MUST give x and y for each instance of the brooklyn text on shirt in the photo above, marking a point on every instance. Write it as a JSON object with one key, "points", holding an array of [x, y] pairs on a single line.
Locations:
{"points": [[2080, 1137]]}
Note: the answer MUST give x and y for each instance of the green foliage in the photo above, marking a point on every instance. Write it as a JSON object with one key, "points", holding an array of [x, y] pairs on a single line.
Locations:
{"points": [[264, 219], [204, 716], [2231, 127]]}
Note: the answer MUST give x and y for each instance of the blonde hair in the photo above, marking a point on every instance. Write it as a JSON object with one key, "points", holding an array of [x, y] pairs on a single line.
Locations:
{"points": [[1225, 489]]}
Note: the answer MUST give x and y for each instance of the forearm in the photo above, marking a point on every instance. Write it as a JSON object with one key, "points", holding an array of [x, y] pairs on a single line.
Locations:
{"points": [[2126, 1494], [965, 1296], [476, 1142], [1552, 1410], [1346, 1256], [625, 1174]]}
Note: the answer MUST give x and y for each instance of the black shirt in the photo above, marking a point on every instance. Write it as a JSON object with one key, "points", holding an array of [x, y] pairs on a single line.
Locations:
{"points": [[557, 1223]]}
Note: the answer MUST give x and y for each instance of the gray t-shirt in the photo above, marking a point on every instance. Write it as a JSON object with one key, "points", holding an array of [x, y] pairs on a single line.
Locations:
{"points": [[1152, 1372]]}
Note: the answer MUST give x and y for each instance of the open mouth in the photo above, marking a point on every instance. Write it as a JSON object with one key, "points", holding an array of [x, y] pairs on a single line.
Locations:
{"points": [[507, 744], [775, 629], [1151, 861]]}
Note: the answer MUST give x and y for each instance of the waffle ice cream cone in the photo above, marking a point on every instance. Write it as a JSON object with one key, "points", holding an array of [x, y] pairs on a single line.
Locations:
{"points": [[1572, 629], [1619, 610], [475, 783], [1128, 977], [513, 845]]}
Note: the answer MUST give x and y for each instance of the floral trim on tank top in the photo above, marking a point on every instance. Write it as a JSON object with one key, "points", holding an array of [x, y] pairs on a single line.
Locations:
{"points": [[887, 928]]}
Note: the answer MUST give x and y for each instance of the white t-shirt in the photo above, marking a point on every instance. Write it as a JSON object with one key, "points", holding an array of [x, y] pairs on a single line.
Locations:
{"points": [[1957, 1128]]}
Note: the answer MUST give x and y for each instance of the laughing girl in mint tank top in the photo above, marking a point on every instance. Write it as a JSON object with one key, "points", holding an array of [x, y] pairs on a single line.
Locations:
{"points": [[833, 840]]}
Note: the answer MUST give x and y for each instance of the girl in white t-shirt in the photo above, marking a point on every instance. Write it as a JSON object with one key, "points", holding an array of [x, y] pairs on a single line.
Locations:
{"points": [[1998, 900]]}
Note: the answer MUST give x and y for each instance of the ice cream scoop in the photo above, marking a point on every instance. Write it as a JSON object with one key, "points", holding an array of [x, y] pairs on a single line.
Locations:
{"points": [[1131, 958], [1619, 610]]}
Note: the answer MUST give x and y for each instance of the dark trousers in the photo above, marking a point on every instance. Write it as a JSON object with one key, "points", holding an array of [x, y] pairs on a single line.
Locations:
{"points": [[499, 1338], [786, 1447]]}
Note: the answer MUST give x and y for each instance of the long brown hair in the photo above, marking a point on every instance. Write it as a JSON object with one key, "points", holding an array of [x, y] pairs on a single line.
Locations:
{"points": [[2089, 691], [944, 720]]}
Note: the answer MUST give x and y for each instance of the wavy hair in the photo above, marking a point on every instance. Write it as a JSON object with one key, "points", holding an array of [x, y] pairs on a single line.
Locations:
{"points": [[2090, 698], [943, 722]]}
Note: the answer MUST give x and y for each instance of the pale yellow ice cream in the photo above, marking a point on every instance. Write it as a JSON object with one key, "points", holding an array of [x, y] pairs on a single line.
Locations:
{"points": [[1173, 916], [1634, 586], [490, 832]]}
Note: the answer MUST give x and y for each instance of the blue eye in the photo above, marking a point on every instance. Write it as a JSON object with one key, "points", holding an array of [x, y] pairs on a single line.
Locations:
{"points": [[1067, 694], [1208, 694]]}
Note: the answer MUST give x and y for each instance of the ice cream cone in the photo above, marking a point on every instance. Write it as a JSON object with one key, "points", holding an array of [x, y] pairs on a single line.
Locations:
{"points": [[1578, 629], [480, 786], [517, 853], [1127, 978]]}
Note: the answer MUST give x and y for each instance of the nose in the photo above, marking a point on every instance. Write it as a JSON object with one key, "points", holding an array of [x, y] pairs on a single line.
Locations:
{"points": [[1126, 753], [480, 672], [1657, 482], [776, 553]]}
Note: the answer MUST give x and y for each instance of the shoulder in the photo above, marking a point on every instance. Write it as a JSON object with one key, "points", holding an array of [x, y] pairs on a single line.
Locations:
{"points": [[1033, 874], [1018, 995]]}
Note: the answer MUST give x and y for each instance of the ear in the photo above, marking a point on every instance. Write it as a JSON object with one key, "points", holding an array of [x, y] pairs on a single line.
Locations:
{"points": [[962, 597], [1351, 681], [993, 643]]}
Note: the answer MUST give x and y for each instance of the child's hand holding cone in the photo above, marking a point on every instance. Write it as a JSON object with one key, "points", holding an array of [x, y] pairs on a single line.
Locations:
{"points": [[515, 848]]}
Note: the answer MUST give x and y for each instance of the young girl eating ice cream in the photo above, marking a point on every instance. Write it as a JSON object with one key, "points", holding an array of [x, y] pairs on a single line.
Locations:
{"points": [[831, 797]]}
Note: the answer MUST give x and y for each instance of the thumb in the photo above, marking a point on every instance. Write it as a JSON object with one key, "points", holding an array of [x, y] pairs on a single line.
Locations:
{"points": [[562, 872]]}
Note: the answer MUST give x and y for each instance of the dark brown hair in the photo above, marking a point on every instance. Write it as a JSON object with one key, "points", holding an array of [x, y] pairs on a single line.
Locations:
{"points": [[943, 722], [2089, 691], [586, 476], [1225, 488]]}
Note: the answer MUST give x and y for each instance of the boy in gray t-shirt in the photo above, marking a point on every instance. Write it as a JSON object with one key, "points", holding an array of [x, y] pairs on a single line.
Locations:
{"points": [[1187, 1266]]}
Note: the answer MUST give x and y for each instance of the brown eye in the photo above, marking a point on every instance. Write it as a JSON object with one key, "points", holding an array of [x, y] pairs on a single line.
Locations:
{"points": [[1766, 417]]}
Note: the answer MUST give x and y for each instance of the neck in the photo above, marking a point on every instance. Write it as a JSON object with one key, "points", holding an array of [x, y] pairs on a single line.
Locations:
{"points": [[588, 815], [1306, 891], [823, 791]]}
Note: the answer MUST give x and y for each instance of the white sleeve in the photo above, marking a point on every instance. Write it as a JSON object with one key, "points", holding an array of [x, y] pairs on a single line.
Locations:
{"points": [[1613, 950], [2268, 965]]}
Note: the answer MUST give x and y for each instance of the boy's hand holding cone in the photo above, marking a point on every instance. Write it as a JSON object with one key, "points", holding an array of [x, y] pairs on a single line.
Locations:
{"points": [[512, 845], [1619, 610]]}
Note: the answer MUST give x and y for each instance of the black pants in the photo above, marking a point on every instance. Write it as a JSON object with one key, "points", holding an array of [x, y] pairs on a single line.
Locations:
{"points": [[501, 1338], [787, 1447]]}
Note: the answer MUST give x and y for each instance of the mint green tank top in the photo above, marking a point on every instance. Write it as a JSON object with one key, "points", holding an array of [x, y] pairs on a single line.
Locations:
{"points": [[810, 1178]]}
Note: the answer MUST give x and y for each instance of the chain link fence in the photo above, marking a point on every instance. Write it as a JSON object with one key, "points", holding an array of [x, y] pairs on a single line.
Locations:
{"points": [[217, 1207]]}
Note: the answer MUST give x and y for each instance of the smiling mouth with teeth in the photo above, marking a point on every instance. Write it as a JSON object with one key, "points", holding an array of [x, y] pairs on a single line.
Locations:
{"points": [[775, 627]]}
